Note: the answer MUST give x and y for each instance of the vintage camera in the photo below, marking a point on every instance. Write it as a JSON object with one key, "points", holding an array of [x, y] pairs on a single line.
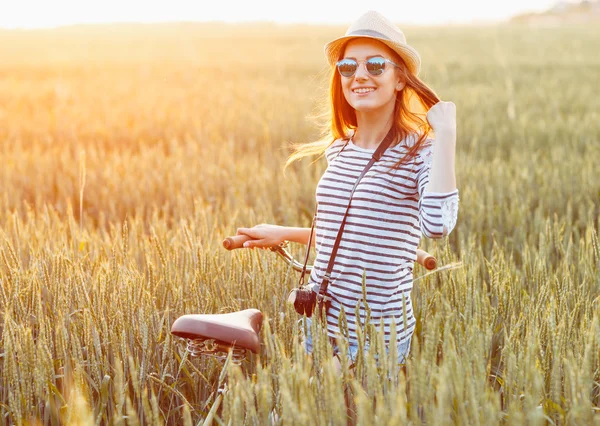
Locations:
{"points": [[305, 300]]}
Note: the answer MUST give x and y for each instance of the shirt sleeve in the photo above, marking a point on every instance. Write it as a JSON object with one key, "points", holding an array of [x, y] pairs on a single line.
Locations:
{"points": [[438, 211], [333, 150]]}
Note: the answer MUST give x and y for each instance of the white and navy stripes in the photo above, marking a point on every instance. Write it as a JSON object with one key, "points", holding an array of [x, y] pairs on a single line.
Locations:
{"points": [[390, 211]]}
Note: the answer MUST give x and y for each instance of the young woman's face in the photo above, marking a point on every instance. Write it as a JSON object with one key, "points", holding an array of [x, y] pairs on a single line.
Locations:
{"points": [[366, 92]]}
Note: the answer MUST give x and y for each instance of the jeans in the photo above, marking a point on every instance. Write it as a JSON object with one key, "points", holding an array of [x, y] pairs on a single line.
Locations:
{"points": [[403, 347]]}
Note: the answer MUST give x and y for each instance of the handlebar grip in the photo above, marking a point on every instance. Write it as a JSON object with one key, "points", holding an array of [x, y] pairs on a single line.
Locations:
{"points": [[235, 242], [426, 260]]}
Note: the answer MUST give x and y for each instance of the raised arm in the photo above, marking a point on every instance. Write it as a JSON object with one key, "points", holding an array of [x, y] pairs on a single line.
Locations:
{"points": [[438, 195], [442, 118]]}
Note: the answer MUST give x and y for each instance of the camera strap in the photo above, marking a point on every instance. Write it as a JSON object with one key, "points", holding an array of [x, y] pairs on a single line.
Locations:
{"points": [[327, 276]]}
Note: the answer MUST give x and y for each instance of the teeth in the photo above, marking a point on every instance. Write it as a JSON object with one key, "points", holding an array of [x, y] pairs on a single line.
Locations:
{"points": [[363, 90]]}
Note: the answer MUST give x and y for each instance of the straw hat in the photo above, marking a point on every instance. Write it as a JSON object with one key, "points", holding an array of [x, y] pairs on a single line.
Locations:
{"points": [[374, 25]]}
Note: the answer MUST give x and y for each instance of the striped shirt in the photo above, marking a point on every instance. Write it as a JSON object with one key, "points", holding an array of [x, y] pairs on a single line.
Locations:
{"points": [[390, 211]]}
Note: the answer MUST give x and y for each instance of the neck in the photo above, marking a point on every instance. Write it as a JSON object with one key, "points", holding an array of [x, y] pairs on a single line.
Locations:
{"points": [[371, 128]]}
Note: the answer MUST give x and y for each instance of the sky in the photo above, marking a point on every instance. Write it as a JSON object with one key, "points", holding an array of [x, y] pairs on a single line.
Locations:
{"points": [[29, 14]]}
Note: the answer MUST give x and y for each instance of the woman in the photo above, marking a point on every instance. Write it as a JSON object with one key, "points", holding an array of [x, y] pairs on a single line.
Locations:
{"points": [[411, 191]]}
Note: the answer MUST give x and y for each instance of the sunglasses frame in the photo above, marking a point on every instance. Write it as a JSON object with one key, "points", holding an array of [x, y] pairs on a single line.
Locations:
{"points": [[385, 60]]}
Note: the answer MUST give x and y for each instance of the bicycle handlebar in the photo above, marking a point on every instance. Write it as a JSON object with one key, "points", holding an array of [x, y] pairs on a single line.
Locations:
{"points": [[425, 259]]}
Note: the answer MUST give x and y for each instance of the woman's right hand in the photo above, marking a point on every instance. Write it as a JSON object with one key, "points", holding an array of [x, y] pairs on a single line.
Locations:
{"points": [[263, 235]]}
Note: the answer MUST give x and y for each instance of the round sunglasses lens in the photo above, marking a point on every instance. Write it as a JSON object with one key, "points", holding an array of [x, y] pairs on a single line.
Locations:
{"points": [[347, 67], [375, 66]]}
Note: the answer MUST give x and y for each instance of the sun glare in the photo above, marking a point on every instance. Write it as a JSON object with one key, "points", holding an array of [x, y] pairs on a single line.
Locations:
{"points": [[38, 14]]}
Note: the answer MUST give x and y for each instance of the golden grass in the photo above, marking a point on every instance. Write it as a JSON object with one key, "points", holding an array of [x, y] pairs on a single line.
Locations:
{"points": [[129, 152]]}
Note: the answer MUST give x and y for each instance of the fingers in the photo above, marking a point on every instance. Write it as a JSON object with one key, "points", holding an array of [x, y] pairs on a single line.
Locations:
{"points": [[246, 231], [257, 235], [254, 244], [442, 105]]}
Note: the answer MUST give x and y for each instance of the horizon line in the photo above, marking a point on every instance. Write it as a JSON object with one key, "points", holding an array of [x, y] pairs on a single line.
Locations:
{"points": [[481, 21], [449, 22]]}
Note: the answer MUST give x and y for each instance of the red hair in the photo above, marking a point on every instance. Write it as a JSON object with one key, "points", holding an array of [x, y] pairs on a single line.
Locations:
{"points": [[412, 104]]}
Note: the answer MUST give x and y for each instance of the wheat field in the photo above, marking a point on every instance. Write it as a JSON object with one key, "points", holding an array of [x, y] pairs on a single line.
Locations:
{"points": [[127, 154]]}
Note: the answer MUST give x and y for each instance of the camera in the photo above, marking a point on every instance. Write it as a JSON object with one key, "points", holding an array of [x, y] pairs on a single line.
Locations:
{"points": [[305, 300]]}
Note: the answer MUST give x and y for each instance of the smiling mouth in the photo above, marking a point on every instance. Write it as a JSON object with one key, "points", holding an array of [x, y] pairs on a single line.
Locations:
{"points": [[363, 90]]}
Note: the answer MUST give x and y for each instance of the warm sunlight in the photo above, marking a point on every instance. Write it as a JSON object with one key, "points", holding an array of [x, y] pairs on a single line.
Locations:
{"points": [[179, 178], [42, 14]]}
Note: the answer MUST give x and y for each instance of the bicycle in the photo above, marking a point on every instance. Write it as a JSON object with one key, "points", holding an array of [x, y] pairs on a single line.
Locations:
{"points": [[228, 337]]}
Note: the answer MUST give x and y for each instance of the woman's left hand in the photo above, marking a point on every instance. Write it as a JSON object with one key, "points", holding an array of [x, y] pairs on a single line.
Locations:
{"points": [[442, 117]]}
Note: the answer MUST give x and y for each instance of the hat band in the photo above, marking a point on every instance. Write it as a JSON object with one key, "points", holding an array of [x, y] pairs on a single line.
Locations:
{"points": [[369, 33]]}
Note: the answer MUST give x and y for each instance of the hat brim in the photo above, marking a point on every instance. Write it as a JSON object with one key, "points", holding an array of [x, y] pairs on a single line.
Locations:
{"points": [[411, 57]]}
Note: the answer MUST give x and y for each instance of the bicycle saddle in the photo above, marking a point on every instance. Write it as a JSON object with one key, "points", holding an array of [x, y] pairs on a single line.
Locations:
{"points": [[238, 329]]}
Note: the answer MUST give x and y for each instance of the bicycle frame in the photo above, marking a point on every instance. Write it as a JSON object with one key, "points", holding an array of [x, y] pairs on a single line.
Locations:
{"points": [[228, 337]]}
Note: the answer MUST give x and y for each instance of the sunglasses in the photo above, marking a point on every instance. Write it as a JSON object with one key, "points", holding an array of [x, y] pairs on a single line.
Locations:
{"points": [[375, 66]]}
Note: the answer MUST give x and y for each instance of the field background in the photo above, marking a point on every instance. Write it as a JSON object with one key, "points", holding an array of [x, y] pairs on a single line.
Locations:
{"points": [[127, 153]]}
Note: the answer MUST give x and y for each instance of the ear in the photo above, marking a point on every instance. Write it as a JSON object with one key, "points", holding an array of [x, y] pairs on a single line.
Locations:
{"points": [[400, 85]]}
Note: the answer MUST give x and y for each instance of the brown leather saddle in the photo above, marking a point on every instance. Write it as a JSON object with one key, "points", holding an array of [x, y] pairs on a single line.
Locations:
{"points": [[236, 329]]}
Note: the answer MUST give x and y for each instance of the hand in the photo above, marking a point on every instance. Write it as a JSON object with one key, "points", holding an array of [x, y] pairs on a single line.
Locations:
{"points": [[263, 235], [442, 117]]}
